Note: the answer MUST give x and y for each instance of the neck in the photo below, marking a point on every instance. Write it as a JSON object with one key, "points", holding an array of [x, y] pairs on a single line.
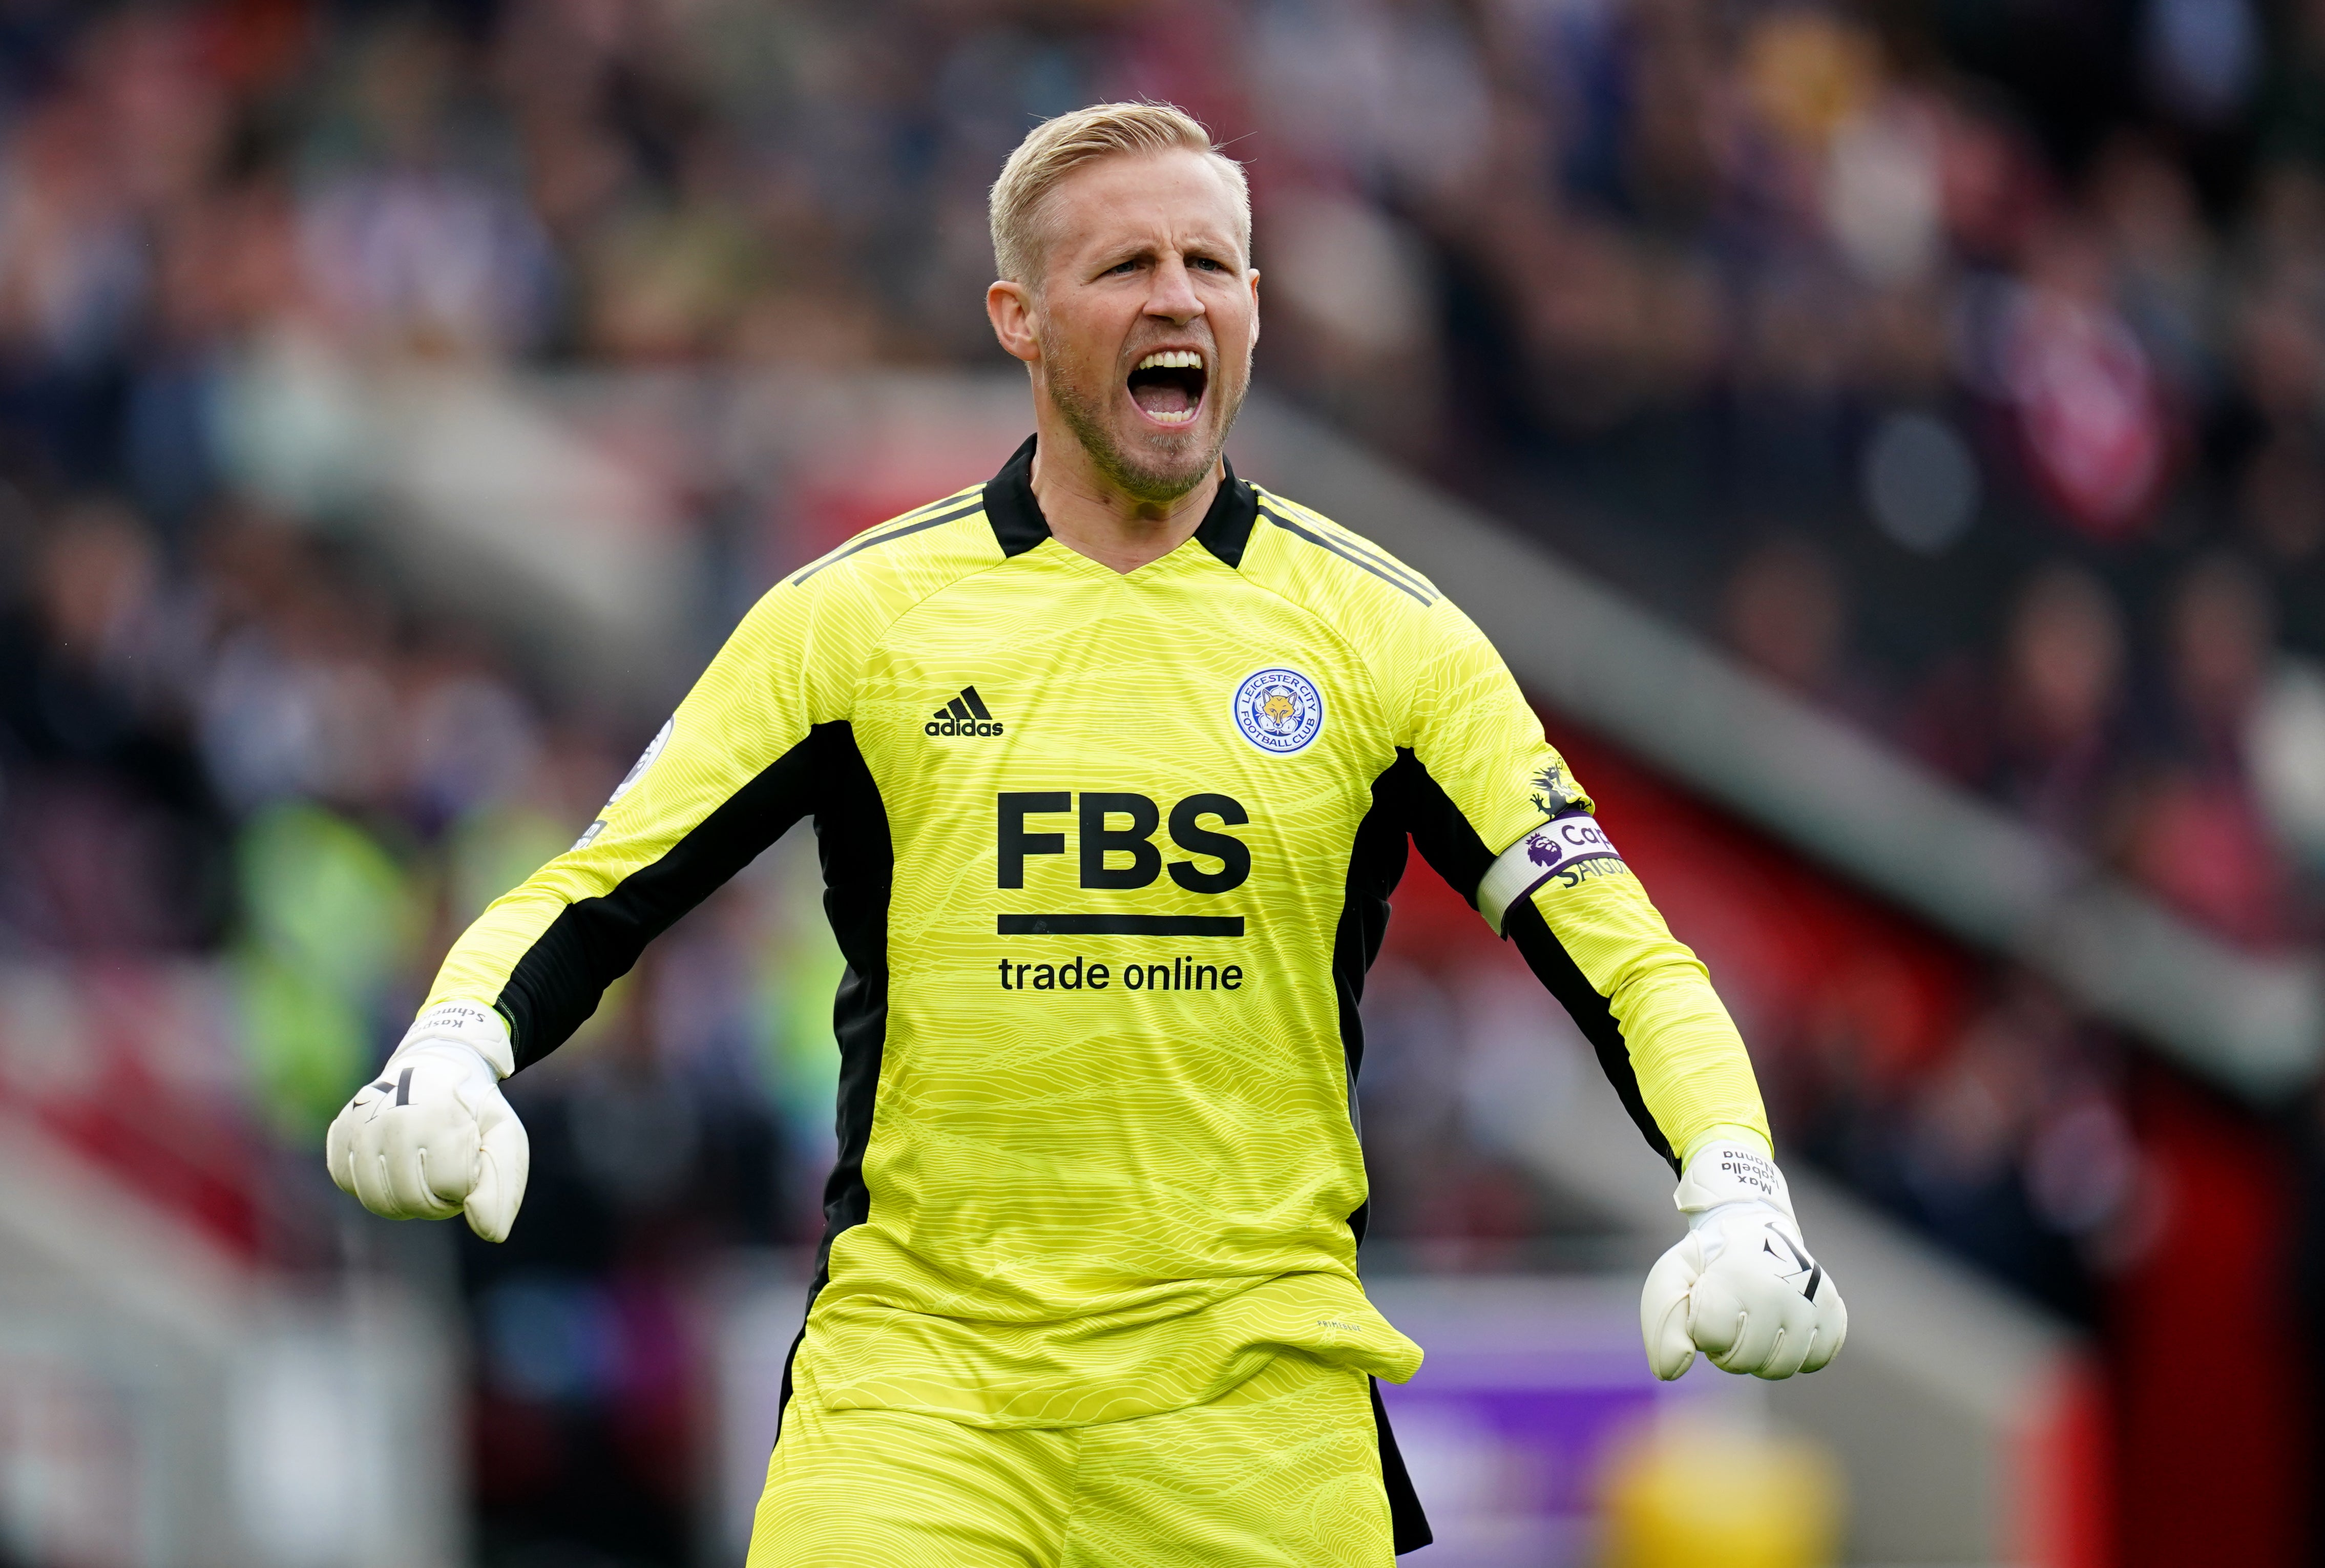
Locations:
{"points": [[1090, 515]]}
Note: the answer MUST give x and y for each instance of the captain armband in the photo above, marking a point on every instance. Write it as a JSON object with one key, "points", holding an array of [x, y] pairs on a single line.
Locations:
{"points": [[1570, 847]]}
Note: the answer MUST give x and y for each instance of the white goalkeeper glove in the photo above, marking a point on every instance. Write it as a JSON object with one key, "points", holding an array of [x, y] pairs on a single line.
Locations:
{"points": [[430, 1135], [1741, 1286]]}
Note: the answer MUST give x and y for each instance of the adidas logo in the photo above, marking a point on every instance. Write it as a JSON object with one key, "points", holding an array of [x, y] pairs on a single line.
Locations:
{"points": [[964, 715]]}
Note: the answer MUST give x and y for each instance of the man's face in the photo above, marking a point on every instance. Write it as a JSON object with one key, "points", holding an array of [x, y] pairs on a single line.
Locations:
{"points": [[1145, 316]]}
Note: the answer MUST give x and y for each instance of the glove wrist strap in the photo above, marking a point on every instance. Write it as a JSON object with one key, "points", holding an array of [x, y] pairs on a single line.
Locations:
{"points": [[480, 1029], [1731, 1171]]}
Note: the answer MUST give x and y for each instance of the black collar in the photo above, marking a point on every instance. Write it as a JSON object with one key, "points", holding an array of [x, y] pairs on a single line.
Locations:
{"points": [[1018, 525]]}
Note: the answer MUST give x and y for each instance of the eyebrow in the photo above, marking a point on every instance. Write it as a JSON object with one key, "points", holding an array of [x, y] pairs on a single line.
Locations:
{"points": [[1108, 259]]}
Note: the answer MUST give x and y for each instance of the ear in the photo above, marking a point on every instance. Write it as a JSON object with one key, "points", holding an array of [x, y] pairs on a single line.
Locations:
{"points": [[1010, 308]]}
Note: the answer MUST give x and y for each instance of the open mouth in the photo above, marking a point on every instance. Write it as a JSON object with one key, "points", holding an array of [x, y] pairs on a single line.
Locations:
{"points": [[1167, 386]]}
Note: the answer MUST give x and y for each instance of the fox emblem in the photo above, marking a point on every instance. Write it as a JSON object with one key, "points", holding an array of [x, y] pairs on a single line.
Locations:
{"points": [[1279, 711]]}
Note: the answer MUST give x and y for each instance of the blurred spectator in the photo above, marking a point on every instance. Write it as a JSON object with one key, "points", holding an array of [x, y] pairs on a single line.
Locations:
{"points": [[2012, 1145], [1353, 287], [115, 826], [2090, 416], [2165, 264], [1787, 612], [2062, 682], [2041, 731], [2218, 637], [2202, 837]]}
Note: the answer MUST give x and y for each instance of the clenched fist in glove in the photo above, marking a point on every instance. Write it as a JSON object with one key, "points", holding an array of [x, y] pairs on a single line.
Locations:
{"points": [[1741, 1286], [430, 1135]]}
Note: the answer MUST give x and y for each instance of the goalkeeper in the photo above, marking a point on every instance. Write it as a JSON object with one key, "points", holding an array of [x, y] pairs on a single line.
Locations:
{"points": [[1113, 761]]}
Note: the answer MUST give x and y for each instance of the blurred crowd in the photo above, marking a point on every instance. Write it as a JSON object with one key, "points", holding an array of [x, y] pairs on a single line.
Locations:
{"points": [[251, 792], [1961, 366], [1965, 371]]}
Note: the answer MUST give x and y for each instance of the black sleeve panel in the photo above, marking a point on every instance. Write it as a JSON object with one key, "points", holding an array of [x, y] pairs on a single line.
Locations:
{"points": [[1439, 832], [1453, 849], [1375, 864], [1557, 972], [859, 870], [594, 942]]}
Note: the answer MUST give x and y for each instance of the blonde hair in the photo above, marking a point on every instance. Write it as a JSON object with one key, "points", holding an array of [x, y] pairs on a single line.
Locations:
{"points": [[1056, 148]]}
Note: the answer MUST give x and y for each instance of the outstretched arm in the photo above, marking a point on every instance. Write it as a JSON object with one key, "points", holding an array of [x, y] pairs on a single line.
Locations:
{"points": [[1500, 816], [1495, 810], [742, 760]]}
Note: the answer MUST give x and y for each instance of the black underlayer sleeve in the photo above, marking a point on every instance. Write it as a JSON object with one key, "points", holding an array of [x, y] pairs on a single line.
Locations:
{"points": [[1453, 847], [594, 942]]}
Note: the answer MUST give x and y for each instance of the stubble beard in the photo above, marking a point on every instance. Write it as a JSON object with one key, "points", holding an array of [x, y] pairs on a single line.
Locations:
{"points": [[1181, 461]]}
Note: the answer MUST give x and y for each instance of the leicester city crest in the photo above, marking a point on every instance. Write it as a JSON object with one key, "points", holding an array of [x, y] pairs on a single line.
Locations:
{"points": [[1279, 711]]}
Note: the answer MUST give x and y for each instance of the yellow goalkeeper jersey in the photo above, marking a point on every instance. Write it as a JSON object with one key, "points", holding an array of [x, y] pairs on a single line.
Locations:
{"points": [[1108, 856]]}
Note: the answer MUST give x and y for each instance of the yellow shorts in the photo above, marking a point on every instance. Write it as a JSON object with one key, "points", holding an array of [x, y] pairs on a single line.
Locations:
{"points": [[1283, 1469]]}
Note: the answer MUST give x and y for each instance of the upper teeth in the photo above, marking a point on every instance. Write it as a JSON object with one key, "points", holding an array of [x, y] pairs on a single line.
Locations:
{"points": [[1172, 360]]}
